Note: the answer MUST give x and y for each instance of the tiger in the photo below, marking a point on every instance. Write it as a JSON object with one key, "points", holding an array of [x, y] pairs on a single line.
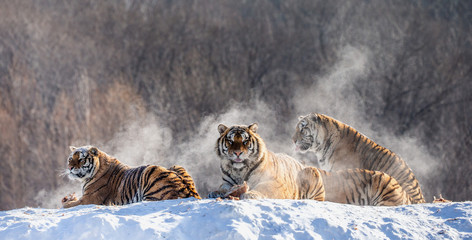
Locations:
{"points": [[338, 146], [107, 181], [246, 161], [351, 186], [244, 158]]}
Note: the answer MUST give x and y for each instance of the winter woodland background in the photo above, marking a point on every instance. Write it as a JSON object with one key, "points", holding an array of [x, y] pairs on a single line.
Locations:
{"points": [[149, 81]]}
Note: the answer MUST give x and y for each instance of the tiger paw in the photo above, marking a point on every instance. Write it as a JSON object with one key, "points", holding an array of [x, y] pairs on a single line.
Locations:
{"points": [[69, 198], [440, 199]]}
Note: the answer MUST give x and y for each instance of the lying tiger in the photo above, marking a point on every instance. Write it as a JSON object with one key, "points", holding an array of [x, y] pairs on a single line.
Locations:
{"points": [[339, 146], [245, 159], [107, 181]]}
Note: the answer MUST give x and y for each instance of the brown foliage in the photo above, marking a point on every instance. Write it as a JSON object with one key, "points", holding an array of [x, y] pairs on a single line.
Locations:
{"points": [[74, 73]]}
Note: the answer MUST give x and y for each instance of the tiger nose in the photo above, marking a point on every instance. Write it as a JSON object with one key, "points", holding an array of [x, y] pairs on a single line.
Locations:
{"points": [[70, 168], [238, 152]]}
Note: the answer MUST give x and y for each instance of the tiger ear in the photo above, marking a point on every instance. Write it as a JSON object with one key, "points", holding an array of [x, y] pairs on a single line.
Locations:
{"points": [[253, 127], [222, 128], [72, 148], [314, 117], [93, 151]]}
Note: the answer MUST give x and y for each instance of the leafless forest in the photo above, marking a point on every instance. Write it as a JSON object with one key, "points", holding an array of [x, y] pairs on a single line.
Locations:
{"points": [[148, 82]]}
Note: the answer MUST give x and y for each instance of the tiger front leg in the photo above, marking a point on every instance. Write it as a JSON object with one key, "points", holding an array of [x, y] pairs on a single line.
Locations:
{"points": [[70, 201]]}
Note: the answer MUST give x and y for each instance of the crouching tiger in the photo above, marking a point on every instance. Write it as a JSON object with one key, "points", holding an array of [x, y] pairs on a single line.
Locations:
{"points": [[351, 186], [338, 146], [107, 181]]}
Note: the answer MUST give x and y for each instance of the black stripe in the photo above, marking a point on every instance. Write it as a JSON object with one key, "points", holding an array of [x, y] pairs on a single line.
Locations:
{"points": [[148, 174], [358, 140], [98, 189], [336, 125], [159, 178], [167, 193], [415, 195], [327, 145], [127, 200], [372, 162], [357, 185], [246, 177], [227, 181], [380, 160], [366, 178], [347, 130], [389, 166], [375, 200], [116, 175], [95, 180], [159, 190], [402, 175], [352, 197], [387, 196], [228, 175], [140, 174], [85, 186], [128, 183]]}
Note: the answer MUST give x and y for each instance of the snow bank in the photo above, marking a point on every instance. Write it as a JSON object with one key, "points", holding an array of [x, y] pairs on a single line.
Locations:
{"points": [[248, 219]]}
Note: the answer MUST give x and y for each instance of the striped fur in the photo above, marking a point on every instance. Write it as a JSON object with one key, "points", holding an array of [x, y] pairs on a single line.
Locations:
{"points": [[352, 186], [106, 181], [339, 146], [244, 157]]}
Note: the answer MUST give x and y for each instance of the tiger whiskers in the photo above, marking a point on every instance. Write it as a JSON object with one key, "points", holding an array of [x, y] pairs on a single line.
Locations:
{"points": [[63, 172]]}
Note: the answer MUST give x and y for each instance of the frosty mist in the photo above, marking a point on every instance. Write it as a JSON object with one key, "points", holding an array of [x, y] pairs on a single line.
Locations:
{"points": [[148, 141], [333, 94]]}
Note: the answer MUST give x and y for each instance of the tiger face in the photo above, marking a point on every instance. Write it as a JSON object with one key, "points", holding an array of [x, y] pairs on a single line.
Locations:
{"points": [[82, 162], [238, 144], [307, 133]]}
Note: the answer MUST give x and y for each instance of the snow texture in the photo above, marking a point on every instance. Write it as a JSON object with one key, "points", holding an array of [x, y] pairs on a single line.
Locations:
{"points": [[245, 219]]}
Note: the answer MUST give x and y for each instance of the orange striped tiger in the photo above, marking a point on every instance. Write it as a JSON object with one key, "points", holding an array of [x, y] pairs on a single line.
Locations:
{"points": [[107, 181], [245, 158], [339, 146], [352, 186]]}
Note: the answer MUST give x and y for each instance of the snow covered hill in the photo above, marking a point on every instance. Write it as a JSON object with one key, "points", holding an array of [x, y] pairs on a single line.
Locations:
{"points": [[248, 219]]}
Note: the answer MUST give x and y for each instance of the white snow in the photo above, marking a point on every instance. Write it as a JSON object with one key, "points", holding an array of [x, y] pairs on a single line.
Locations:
{"points": [[246, 219]]}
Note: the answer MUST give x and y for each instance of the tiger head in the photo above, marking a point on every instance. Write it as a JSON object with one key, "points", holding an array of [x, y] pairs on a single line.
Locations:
{"points": [[308, 133], [82, 162], [239, 144]]}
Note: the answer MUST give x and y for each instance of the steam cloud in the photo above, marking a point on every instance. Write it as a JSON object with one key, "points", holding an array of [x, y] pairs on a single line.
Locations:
{"points": [[333, 94], [149, 142]]}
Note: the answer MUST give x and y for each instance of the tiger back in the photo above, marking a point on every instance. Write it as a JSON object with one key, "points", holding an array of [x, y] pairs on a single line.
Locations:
{"points": [[352, 186], [339, 146], [107, 181]]}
